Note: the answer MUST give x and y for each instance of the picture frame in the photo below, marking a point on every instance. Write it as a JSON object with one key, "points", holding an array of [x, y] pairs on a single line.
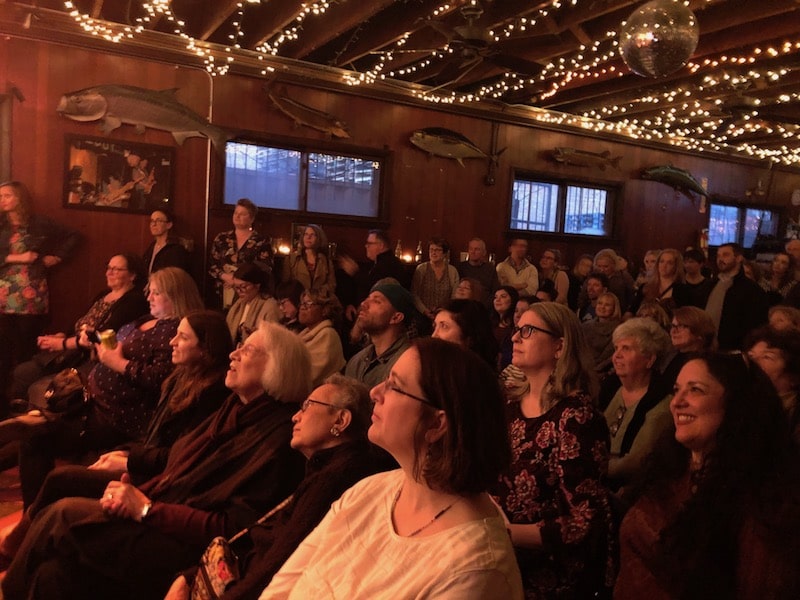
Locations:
{"points": [[117, 176]]}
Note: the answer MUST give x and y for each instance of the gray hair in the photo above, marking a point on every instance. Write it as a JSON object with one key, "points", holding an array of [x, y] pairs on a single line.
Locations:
{"points": [[354, 396], [652, 339], [287, 376]]}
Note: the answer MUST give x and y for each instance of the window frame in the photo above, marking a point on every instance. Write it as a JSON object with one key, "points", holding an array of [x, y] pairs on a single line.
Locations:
{"points": [[612, 188], [383, 156], [742, 208]]}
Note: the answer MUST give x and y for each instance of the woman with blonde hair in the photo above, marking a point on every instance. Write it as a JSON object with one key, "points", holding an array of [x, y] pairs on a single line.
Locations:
{"points": [[554, 494], [598, 331], [310, 263]]}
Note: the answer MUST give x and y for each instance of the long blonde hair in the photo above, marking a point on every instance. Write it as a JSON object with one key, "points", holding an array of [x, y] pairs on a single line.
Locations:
{"points": [[180, 288]]}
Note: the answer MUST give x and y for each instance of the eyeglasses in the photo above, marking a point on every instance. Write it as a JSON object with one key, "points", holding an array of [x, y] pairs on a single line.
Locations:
{"points": [[388, 385], [678, 326], [309, 401], [308, 304], [526, 330], [248, 349], [242, 287], [157, 221], [115, 269], [619, 416]]}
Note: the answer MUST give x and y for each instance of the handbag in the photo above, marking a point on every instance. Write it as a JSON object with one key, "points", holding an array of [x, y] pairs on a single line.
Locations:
{"points": [[219, 565], [66, 393]]}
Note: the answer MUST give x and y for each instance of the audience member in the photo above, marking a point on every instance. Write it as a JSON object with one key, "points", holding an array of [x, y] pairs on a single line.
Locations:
{"points": [[697, 286], [554, 494], [288, 295], [784, 317], [502, 317], [232, 248], [439, 414], [516, 271], [320, 312], [691, 331], [620, 283], [793, 249], [310, 264], [666, 281], [478, 268], [252, 283], [165, 250], [598, 331], [383, 316], [218, 479], [736, 304], [781, 278], [718, 515], [546, 292], [469, 289], [120, 303], [596, 284], [550, 270], [30, 245], [467, 323], [434, 281], [648, 270], [638, 414], [582, 268]]}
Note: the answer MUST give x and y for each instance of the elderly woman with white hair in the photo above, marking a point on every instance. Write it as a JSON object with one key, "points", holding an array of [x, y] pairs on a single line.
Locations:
{"points": [[639, 411], [219, 478]]}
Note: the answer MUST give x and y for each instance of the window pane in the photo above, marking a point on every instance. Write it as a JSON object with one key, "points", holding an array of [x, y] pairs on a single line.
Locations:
{"points": [[534, 206], [586, 211], [343, 185], [270, 177], [759, 222], [723, 225]]}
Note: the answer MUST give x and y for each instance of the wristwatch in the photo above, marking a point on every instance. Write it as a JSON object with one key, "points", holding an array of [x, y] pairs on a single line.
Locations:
{"points": [[145, 511]]}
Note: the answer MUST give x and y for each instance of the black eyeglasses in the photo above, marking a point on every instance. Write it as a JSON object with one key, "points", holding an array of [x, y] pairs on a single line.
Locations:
{"points": [[388, 385], [309, 401], [619, 416], [526, 330], [115, 269]]}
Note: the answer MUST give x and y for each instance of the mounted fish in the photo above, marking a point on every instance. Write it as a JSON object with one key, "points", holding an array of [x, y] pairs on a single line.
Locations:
{"points": [[438, 141], [678, 179], [114, 105], [305, 115], [582, 158]]}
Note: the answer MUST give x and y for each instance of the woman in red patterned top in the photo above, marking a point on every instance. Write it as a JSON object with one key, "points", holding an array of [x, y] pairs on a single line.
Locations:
{"points": [[554, 493]]}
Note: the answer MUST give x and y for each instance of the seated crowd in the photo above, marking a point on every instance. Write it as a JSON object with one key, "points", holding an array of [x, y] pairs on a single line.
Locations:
{"points": [[561, 433]]}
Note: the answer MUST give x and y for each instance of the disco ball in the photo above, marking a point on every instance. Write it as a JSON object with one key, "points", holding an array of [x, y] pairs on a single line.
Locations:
{"points": [[658, 38]]}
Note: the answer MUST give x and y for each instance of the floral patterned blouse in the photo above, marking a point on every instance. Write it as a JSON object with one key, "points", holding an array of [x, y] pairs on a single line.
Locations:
{"points": [[556, 480], [226, 256]]}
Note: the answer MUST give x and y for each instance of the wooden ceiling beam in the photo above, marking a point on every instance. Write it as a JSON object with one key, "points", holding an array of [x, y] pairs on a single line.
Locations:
{"points": [[214, 18], [273, 18]]}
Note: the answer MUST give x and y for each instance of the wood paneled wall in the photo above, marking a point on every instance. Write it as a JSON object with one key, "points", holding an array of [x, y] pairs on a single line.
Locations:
{"points": [[426, 196]]}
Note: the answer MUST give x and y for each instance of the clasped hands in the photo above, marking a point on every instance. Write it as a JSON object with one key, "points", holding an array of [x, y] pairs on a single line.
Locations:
{"points": [[123, 500]]}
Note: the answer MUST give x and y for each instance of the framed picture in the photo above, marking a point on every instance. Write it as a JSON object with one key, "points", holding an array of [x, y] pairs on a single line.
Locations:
{"points": [[102, 174]]}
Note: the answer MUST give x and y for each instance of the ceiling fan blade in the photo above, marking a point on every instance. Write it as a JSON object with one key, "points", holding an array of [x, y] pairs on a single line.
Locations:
{"points": [[474, 63]]}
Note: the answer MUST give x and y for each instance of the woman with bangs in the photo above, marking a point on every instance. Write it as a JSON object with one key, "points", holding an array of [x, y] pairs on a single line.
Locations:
{"points": [[428, 529], [554, 493]]}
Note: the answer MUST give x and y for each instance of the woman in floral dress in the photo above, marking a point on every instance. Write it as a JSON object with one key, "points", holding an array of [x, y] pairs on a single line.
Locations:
{"points": [[554, 493], [29, 246]]}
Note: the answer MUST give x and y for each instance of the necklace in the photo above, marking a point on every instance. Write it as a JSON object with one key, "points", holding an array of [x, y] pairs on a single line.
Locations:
{"points": [[429, 523]]}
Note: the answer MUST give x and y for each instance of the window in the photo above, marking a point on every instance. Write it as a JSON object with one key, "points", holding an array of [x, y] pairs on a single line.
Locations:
{"points": [[561, 207], [289, 179], [740, 224]]}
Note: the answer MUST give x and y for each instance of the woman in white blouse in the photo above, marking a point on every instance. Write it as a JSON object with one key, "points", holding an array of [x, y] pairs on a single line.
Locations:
{"points": [[427, 529]]}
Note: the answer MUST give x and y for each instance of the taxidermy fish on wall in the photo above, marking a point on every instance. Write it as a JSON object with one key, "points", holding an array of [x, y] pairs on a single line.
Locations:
{"points": [[446, 143], [305, 115], [114, 105], [679, 179], [583, 158]]}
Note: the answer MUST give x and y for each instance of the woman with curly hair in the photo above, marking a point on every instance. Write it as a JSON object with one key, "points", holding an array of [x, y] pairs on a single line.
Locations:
{"points": [[554, 493], [717, 517]]}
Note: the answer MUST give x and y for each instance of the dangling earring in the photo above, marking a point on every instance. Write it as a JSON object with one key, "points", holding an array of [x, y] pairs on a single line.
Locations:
{"points": [[335, 431]]}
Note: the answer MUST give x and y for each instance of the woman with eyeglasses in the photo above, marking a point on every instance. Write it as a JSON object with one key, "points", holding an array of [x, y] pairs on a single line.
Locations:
{"points": [[427, 529], [309, 263], [165, 250], [330, 430], [639, 410], [554, 492], [434, 281], [288, 295], [121, 302], [319, 313], [717, 515], [219, 478], [692, 330], [124, 386], [252, 283], [30, 245]]}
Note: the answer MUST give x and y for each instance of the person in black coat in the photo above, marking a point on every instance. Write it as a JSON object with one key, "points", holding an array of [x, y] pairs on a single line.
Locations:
{"points": [[165, 249]]}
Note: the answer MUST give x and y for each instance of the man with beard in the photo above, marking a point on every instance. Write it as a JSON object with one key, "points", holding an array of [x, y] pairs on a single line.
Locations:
{"points": [[383, 316]]}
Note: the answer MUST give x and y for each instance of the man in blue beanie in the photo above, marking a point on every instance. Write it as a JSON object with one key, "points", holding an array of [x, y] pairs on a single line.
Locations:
{"points": [[383, 316]]}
